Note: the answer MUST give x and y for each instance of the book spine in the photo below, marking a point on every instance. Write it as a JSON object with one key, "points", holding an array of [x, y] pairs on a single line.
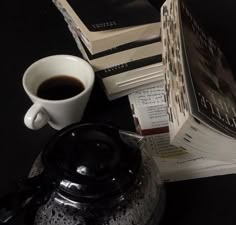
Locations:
{"points": [[128, 46], [129, 66]]}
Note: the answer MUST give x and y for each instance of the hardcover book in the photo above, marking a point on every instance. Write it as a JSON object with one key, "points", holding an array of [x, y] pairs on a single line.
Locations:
{"points": [[105, 24], [201, 87]]}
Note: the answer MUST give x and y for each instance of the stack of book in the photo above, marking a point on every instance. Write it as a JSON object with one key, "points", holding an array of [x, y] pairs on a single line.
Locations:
{"points": [[149, 110], [120, 39], [201, 87]]}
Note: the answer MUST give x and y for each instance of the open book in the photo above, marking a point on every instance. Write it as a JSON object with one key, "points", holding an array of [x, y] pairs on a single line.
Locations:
{"points": [[200, 85]]}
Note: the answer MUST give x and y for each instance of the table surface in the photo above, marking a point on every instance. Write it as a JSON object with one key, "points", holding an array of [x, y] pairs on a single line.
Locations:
{"points": [[35, 29]]}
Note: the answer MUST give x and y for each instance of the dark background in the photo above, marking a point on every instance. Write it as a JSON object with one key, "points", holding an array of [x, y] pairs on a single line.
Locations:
{"points": [[31, 30]]}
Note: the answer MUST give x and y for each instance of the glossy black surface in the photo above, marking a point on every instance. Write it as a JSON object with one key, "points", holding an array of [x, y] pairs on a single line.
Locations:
{"points": [[60, 87], [94, 158], [31, 30]]}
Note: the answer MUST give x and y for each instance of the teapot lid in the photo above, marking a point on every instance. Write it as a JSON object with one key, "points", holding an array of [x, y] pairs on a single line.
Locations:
{"points": [[92, 161]]}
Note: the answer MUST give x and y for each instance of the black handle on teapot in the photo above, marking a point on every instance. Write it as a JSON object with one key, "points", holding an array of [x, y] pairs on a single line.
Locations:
{"points": [[33, 191]]}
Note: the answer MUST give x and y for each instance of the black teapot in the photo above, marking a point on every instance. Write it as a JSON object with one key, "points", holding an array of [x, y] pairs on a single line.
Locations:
{"points": [[90, 174]]}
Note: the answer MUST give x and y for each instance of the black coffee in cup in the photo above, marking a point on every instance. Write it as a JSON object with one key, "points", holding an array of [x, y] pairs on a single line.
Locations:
{"points": [[60, 87]]}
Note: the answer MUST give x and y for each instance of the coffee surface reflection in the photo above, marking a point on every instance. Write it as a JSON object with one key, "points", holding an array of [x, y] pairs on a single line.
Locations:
{"points": [[60, 87]]}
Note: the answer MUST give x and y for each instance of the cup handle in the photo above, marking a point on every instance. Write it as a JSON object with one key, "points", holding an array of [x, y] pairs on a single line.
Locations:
{"points": [[36, 117]]}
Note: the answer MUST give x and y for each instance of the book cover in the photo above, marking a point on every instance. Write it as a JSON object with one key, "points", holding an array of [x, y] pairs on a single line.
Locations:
{"points": [[111, 14], [210, 80], [102, 40]]}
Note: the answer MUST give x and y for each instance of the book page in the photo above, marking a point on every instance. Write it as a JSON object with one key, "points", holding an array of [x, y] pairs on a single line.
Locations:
{"points": [[149, 110], [177, 99], [144, 104], [146, 101]]}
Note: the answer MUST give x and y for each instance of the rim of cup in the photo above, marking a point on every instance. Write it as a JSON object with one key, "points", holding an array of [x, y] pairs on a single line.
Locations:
{"points": [[82, 61]]}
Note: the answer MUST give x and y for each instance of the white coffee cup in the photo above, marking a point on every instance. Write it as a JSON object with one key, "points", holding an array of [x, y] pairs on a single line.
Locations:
{"points": [[58, 113]]}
